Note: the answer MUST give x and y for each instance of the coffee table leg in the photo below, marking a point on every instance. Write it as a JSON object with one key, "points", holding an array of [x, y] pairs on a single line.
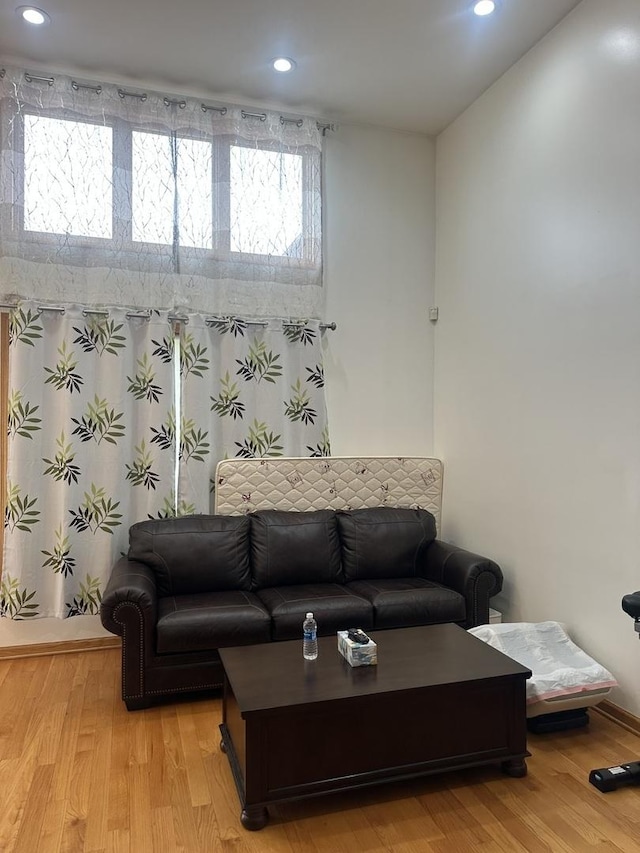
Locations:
{"points": [[254, 817], [516, 767]]}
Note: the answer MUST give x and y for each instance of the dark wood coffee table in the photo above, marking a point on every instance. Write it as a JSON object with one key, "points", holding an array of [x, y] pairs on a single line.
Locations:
{"points": [[439, 699]]}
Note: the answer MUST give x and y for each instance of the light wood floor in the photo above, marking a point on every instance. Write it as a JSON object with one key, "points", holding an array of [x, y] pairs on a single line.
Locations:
{"points": [[80, 773]]}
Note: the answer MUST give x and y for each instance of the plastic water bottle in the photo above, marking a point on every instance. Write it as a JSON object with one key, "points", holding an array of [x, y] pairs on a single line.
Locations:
{"points": [[310, 638]]}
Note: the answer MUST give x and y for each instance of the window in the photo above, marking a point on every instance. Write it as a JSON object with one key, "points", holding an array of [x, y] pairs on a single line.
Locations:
{"points": [[67, 177], [113, 185], [172, 179], [115, 197], [266, 202]]}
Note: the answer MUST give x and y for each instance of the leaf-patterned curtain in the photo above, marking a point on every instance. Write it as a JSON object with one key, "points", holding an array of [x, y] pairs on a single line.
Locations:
{"points": [[87, 393], [247, 389], [114, 196]]}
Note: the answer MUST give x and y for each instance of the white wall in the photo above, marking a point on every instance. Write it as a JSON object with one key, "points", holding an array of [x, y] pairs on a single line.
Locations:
{"points": [[537, 366], [379, 263]]}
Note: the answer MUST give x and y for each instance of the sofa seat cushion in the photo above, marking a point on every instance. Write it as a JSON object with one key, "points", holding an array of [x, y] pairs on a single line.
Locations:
{"points": [[294, 548], [385, 542], [403, 602], [333, 606], [210, 620]]}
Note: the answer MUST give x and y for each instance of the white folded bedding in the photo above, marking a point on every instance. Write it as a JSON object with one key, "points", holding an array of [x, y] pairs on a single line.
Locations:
{"points": [[559, 666]]}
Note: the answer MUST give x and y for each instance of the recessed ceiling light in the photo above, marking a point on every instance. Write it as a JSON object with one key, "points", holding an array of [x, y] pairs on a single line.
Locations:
{"points": [[33, 15], [283, 64], [484, 7]]}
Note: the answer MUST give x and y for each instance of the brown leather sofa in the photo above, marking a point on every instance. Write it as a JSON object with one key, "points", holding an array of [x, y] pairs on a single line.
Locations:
{"points": [[195, 584]]}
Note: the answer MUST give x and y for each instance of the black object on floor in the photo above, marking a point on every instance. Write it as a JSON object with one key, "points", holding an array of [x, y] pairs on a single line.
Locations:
{"points": [[609, 778], [575, 718]]}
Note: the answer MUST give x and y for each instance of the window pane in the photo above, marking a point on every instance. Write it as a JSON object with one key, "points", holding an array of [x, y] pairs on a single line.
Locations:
{"points": [[266, 202], [152, 188], [194, 193], [67, 177]]}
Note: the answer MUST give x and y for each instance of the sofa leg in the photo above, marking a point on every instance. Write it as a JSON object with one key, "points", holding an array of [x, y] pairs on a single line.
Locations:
{"points": [[136, 704]]}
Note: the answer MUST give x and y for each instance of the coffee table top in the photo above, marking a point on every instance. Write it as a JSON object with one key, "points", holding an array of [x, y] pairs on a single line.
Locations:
{"points": [[275, 675]]}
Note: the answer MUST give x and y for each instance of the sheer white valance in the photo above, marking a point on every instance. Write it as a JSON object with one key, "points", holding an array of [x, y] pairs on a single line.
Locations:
{"points": [[122, 196]]}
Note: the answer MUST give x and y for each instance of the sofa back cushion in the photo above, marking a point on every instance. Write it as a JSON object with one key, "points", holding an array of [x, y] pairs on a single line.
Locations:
{"points": [[194, 553], [385, 542], [294, 548]]}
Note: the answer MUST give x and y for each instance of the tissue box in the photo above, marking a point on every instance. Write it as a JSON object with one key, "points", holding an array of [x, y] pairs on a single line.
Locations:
{"points": [[357, 654]]}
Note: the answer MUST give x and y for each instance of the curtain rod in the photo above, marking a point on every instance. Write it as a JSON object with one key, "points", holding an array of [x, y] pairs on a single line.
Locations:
{"points": [[77, 86], [103, 312], [86, 312], [180, 318], [30, 78], [323, 127], [265, 322]]}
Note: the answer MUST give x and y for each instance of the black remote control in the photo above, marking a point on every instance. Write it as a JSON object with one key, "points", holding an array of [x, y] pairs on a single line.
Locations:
{"points": [[357, 636]]}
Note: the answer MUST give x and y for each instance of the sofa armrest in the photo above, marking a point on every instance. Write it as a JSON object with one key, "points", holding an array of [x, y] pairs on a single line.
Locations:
{"points": [[129, 608], [133, 585], [476, 578]]}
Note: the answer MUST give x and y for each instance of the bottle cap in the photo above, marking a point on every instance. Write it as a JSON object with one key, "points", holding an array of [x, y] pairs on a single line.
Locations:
{"points": [[309, 616]]}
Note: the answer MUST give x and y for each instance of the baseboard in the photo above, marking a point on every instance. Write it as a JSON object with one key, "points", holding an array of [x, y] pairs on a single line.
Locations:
{"points": [[624, 718], [61, 647]]}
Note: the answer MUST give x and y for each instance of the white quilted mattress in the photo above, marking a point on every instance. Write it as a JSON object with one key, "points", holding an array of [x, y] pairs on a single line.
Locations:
{"points": [[333, 482]]}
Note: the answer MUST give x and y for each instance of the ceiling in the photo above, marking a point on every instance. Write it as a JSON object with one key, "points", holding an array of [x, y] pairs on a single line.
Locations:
{"points": [[411, 65]]}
